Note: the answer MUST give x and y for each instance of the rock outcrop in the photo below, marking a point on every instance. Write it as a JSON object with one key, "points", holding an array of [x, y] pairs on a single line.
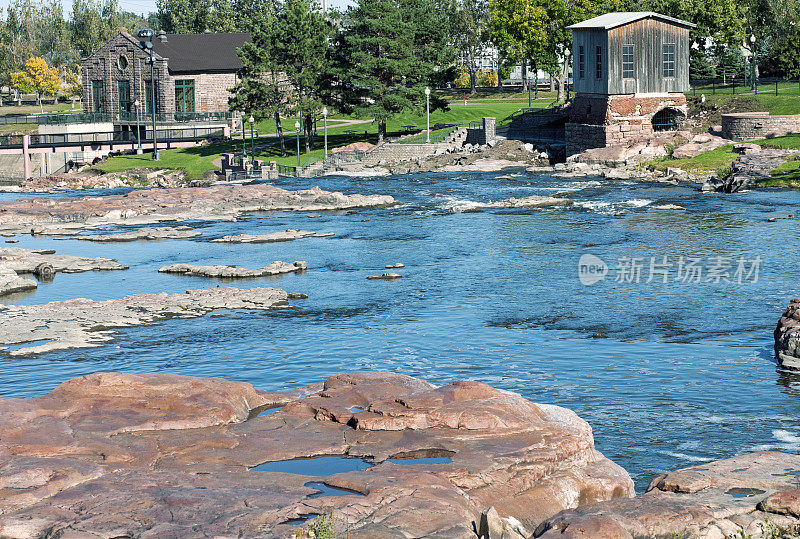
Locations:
{"points": [[787, 337], [145, 233], [273, 237], [232, 272], [753, 495], [173, 456], [82, 323], [533, 201], [11, 283], [28, 260], [215, 203]]}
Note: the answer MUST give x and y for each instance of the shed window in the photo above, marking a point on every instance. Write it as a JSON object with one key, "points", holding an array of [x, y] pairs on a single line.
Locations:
{"points": [[598, 67], [581, 62], [627, 61], [669, 60], [184, 95]]}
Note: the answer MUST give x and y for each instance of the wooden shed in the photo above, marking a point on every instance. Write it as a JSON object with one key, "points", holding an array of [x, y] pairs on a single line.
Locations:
{"points": [[631, 53]]}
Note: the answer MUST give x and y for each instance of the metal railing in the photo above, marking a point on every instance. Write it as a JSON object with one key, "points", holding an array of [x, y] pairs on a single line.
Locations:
{"points": [[744, 85], [118, 137], [67, 118]]}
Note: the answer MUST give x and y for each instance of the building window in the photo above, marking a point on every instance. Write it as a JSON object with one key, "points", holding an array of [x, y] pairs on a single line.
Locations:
{"points": [[124, 97], [122, 63], [148, 97], [581, 62], [598, 66], [184, 96], [627, 61], [98, 96], [669, 60]]}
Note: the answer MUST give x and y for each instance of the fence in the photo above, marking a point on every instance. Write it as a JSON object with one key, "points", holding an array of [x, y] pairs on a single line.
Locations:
{"points": [[68, 118], [738, 86], [76, 139]]}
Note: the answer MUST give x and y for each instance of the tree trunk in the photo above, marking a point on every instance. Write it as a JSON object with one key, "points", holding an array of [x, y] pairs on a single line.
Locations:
{"points": [[524, 75], [381, 131], [308, 127], [536, 84], [39, 99], [279, 132], [471, 80], [552, 83], [560, 96]]}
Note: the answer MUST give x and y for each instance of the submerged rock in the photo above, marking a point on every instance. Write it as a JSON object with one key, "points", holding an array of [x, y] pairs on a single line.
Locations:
{"points": [[388, 276], [165, 455], [230, 272], [752, 495], [11, 283], [82, 323], [215, 203], [533, 201], [787, 337], [289, 235], [28, 260], [145, 233]]}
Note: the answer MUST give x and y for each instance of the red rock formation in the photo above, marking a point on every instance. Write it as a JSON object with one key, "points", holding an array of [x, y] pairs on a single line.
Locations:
{"points": [[164, 455], [787, 336]]}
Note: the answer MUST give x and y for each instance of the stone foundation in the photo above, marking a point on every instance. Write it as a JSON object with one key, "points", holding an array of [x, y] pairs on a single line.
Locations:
{"points": [[753, 125], [600, 121]]}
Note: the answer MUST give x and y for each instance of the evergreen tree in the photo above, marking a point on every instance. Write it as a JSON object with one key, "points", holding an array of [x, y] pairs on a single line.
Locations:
{"points": [[392, 50]]}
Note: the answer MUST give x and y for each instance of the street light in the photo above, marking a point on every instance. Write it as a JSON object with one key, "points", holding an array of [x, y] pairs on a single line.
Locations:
{"points": [[252, 139], [138, 129], [297, 129], [428, 110], [146, 35], [753, 61], [325, 117]]}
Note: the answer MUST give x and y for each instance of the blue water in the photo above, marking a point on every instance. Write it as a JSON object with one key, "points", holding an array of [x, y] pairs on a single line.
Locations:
{"points": [[423, 460], [318, 466], [668, 374]]}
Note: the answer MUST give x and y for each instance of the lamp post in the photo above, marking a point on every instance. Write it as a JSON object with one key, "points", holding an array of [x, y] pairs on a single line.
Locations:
{"points": [[428, 114], [146, 35], [138, 129], [325, 120], [753, 62], [251, 120], [297, 131]]}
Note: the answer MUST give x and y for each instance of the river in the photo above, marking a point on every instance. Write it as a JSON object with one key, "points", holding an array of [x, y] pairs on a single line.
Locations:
{"points": [[669, 374]]}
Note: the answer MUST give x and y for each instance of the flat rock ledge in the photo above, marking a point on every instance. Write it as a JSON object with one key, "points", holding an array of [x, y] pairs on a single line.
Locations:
{"points": [[787, 337], [289, 235], [232, 272], [215, 203], [753, 495], [24, 260], [163, 455], [84, 323], [145, 233], [533, 201], [11, 283]]}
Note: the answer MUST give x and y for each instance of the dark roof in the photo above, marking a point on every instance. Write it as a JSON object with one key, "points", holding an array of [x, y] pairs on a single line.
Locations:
{"points": [[201, 53]]}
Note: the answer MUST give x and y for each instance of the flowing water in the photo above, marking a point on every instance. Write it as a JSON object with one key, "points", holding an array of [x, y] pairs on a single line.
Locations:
{"points": [[669, 374]]}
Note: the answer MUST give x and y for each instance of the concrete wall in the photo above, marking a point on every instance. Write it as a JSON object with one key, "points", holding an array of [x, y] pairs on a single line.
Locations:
{"points": [[753, 125]]}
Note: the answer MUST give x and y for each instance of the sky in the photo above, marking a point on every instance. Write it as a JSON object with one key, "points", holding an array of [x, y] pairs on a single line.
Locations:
{"points": [[146, 6]]}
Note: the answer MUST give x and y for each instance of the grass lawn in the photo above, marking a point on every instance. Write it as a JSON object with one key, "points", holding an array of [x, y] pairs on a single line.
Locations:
{"points": [[786, 175], [774, 104], [195, 161], [34, 109], [720, 160]]}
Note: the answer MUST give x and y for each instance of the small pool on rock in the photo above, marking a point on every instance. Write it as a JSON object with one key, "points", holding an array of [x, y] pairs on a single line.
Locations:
{"points": [[328, 491], [315, 466], [738, 492], [28, 344]]}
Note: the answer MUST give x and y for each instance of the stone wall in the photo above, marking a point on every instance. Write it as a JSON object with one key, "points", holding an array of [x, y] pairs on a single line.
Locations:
{"points": [[753, 125], [483, 134], [599, 121], [394, 153]]}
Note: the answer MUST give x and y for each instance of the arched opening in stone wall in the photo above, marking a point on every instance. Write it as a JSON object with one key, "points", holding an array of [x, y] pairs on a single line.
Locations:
{"points": [[667, 119]]}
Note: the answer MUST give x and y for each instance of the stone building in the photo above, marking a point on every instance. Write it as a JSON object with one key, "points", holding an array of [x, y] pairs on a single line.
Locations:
{"points": [[193, 73], [630, 72]]}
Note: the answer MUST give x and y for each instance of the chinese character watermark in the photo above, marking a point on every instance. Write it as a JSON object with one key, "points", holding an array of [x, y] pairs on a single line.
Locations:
{"points": [[664, 269]]}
